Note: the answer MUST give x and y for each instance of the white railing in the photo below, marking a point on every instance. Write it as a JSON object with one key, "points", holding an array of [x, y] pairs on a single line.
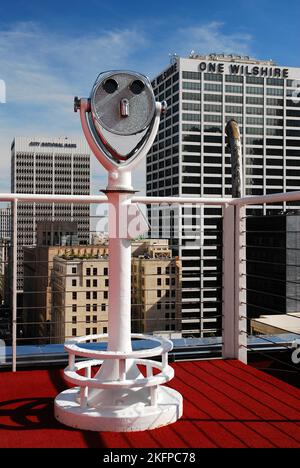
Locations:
{"points": [[234, 335]]}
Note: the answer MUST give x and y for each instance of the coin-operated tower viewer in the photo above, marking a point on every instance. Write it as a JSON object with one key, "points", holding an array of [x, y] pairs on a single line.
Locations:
{"points": [[120, 121]]}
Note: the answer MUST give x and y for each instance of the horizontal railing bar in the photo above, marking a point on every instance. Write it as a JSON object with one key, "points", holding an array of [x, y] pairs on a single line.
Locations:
{"points": [[50, 198], [265, 199], [69, 322], [274, 326], [85, 199], [265, 293], [268, 278], [181, 200], [271, 356]]}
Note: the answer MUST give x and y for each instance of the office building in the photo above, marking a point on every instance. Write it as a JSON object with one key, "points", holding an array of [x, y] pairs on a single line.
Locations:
{"points": [[273, 265], [59, 166], [5, 240], [5, 223], [190, 158]]}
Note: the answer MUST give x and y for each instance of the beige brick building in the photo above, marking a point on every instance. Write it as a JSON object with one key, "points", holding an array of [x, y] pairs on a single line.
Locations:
{"points": [[80, 291], [36, 315], [80, 296], [156, 288]]}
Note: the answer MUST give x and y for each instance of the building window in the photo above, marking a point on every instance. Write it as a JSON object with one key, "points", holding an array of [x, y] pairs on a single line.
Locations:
{"points": [[74, 331], [94, 307], [255, 80], [74, 296], [158, 281], [74, 320], [106, 282], [104, 330], [87, 331], [158, 293], [94, 294], [88, 319], [74, 270], [94, 318], [158, 306], [88, 272], [103, 307], [234, 79], [94, 331], [213, 87], [191, 85], [159, 270], [95, 283], [254, 90], [74, 308], [105, 271], [95, 271], [88, 283], [105, 294], [88, 307], [74, 282], [275, 91], [88, 295], [191, 75]]}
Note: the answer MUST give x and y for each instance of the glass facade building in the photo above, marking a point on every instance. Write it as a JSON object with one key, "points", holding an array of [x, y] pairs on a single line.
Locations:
{"points": [[190, 158]]}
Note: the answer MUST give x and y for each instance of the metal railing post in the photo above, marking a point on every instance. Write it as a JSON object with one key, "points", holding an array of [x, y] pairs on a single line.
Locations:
{"points": [[14, 285], [234, 327], [228, 320], [240, 284]]}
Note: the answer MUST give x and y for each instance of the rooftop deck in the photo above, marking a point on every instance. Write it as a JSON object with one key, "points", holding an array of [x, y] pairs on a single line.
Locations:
{"points": [[226, 404]]}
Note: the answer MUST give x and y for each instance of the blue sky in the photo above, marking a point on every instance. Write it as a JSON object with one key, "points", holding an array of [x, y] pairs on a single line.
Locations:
{"points": [[53, 50]]}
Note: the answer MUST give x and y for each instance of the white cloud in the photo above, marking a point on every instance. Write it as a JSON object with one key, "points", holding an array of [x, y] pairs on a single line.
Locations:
{"points": [[209, 38]]}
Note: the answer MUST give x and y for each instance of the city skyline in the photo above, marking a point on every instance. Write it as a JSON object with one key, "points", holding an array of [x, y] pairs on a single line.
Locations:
{"points": [[42, 55]]}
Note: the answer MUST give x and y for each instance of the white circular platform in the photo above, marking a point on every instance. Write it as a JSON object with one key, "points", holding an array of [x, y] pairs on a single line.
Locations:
{"points": [[135, 416], [119, 397]]}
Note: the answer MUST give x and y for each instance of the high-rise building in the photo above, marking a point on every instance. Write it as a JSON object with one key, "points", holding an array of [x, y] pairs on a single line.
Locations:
{"points": [[189, 158], [5, 239], [273, 265], [49, 166], [5, 223]]}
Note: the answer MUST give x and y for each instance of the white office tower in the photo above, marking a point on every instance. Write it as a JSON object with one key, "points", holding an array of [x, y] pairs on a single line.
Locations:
{"points": [[189, 158], [49, 166]]}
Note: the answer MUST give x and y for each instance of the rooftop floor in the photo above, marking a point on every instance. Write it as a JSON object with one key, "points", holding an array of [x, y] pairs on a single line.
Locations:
{"points": [[226, 404]]}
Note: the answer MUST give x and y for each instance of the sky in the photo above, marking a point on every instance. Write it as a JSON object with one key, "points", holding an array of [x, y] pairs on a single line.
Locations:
{"points": [[51, 51]]}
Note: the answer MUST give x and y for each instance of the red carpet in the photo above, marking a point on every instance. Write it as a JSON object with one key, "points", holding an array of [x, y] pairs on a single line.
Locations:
{"points": [[226, 404]]}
